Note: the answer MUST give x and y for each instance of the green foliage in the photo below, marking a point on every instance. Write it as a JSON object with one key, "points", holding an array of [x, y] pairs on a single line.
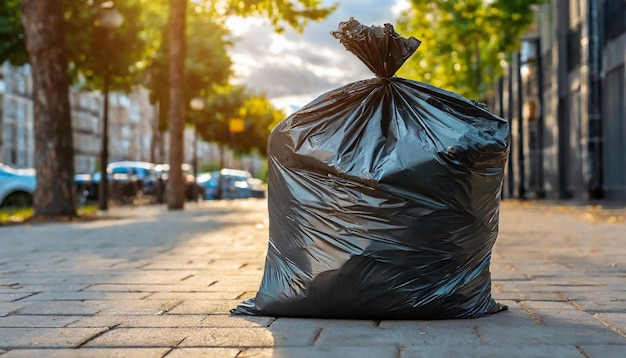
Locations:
{"points": [[463, 41], [295, 13], [209, 166], [96, 51], [21, 215], [92, 49], [13, 215], [12, 46], [259, 115], [221, 105], [207, 63], [227, 103]]}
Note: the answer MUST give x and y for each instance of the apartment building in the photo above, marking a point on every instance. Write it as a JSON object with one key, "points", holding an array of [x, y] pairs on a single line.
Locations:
{"points": [[564, 94]]}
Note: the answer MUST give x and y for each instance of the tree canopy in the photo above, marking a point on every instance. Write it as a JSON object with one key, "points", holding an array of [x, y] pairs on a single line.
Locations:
{"points": [[254, 111], [92, 49], [207, 62], [463, 41], [12, 45]]}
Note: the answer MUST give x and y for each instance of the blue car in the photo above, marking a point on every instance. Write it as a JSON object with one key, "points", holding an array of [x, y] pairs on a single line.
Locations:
{"points": [[17, 186], [230, 184]]}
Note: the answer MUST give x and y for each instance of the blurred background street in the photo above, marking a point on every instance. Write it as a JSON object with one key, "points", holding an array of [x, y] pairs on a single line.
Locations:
{"points": [[558, 79]]}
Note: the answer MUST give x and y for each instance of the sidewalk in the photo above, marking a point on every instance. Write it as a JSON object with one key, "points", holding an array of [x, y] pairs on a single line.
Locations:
{"points": [[153, 283]]}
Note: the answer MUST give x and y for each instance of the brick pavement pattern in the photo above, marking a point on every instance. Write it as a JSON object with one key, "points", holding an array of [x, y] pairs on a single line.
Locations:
{"points": [[153, 283]]}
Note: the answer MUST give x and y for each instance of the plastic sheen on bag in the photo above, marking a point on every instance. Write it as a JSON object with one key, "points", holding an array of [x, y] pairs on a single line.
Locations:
{"points": [[384, 197]]}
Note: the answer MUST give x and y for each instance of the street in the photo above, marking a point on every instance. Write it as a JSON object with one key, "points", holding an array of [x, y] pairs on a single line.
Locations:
{"points": [[147, 282]]}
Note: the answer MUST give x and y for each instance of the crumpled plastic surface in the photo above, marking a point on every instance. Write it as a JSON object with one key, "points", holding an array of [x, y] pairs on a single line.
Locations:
{"points": [[383, 197]]}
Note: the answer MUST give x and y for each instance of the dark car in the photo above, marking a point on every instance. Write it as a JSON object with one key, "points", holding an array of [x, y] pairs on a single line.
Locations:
{"points": [[128, 180], [193, 190], [84, 187]]}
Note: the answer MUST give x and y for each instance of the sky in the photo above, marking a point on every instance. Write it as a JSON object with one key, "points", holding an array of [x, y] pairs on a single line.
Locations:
{"points": [[292, 69]]}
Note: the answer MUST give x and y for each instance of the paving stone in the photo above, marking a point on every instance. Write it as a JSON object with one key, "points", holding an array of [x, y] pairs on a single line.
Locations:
{"points": [[615, 320], [19, 321], [565, 335], [376, 336], [249, 337], [156, 277], [204, 353], [557, 314], [236, 321], [205, 307], [14, 338], [60, 277], [203, 295], [227, 282], [527, 296], [598, 294], [59, 308], [87, 352], [150, 288], [604, 351], [139, 337], [174, 321], [98, 321], [286, 323], [43, 287], [326, 352], [141, 321], [133, 307], [11, 297], [7, 308], [85, 296], [528, 350]]}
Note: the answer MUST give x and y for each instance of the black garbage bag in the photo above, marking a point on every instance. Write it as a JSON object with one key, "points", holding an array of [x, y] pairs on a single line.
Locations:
{"points": [[383, 197]]}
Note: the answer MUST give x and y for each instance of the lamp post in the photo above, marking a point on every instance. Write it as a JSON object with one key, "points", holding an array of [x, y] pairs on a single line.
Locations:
{"points": [[108, 18], [197, 104]]}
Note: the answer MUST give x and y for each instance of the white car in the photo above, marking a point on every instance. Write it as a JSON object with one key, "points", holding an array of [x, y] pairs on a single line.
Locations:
{"points": [[17, 186]]}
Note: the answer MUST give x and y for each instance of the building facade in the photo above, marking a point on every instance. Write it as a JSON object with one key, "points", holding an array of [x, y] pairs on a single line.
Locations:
{"points": [[133, 133], [130, 117], [17, 146], [564, 94]]}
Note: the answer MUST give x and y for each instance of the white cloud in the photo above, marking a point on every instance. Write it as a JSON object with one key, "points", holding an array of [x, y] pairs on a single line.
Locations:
{"points": [[399, 6], [292, 69]]}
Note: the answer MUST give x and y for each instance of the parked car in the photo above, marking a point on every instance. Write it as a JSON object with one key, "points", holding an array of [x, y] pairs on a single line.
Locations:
{"points": [[231, 184], [208, 182], [84, 187], [163, 171], [127, 180], [17, 186], [257, 188]]}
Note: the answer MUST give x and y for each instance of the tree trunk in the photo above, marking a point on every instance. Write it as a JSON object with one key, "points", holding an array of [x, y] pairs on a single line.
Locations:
{"points": [[54, 153], [175, 185]]}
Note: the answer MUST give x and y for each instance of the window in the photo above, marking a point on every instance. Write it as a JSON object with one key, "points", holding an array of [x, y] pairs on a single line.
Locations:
{"points": [[614, 15], [573, 48]]}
